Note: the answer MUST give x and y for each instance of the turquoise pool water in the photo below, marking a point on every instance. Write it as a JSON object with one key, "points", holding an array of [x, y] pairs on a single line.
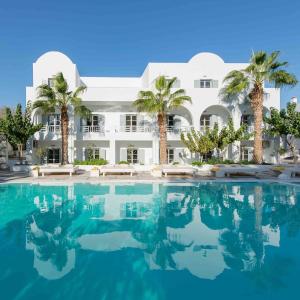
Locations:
{"points": [[210, 240]]}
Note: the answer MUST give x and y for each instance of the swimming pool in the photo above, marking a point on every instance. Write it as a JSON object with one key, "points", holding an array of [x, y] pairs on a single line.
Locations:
{"points": [[210, 240]]}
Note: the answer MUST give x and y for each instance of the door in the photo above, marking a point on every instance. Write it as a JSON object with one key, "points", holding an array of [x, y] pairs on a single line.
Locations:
{"points": [[53, 156]]}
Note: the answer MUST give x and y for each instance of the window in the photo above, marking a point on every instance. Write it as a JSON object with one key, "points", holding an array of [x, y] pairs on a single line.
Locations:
{"points": [[53, 122], [54, 119], [93, 121], [132, 156], [245, 119], [93, 153], [53, 156], [205, 121], [246, 154], [131, 123], [170, 154], [51, 82], [206, 83], [170, 121]]}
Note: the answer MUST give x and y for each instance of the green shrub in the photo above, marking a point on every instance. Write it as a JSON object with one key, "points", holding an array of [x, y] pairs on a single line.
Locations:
{"points": [[228, 162], [197, 163], [89, 162], [247, 162], [123, 162], [175, 163], [219, 161]]}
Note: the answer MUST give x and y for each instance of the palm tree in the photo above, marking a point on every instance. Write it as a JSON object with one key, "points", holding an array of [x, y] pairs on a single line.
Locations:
{"points": [[160, 102], [59, 97], [263, 67]]}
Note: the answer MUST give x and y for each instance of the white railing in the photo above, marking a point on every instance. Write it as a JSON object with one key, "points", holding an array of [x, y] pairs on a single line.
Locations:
{"points": [[135, 129], [176, 130], [51, 128], [92, 129]]}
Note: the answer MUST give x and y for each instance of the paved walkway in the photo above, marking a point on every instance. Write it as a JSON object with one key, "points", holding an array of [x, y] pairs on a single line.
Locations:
{"points": [[13, 177]]}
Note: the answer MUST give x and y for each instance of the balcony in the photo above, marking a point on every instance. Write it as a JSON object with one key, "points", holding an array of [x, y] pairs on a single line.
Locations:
{"points": [[142, 128], [55, 129], [92, 129], [176, 130]]}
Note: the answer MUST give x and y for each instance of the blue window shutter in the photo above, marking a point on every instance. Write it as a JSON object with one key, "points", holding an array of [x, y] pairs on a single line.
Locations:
{"points": [[215, 84], [196, 83]]}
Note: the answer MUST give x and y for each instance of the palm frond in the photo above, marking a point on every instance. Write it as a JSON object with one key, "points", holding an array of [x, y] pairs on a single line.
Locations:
{"points": [[47, 106], [282, 78], [235, 83], [81, 89], [60, 84], [82, 111]]}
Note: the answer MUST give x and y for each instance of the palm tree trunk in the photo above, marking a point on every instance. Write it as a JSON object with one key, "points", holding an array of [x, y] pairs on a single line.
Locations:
{"points": [[161, 118], [64, 134], [257, 106]]}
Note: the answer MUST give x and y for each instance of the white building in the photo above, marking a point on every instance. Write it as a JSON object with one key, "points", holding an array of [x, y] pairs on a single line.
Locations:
{"points": [[117, 132]]}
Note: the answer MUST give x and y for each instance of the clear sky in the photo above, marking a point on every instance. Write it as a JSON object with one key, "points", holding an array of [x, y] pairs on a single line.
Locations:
{"points": [[119, 37]]}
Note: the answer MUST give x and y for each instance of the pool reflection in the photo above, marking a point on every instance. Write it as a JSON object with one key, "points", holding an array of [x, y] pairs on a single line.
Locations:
{"points": [[203, 229]]}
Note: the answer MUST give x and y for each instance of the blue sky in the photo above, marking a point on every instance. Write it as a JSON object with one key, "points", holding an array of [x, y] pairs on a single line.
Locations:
{"points": [[118, 38]]}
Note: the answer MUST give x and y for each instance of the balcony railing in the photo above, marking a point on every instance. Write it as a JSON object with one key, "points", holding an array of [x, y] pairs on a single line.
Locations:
{"points": [[51, 128], [92, 129], [136, 129], [176, 130]]}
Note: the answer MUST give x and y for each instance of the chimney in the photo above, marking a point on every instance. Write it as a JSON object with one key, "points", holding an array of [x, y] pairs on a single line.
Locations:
{"points": [[294, 100]]}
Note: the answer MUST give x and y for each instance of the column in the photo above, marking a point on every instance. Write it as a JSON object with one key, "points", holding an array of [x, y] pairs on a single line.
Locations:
{"points": [[112, 151]]}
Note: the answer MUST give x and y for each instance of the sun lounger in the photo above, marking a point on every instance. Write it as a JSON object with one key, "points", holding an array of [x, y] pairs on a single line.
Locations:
{"points": [[181, 170], [117, 169], [289, 173], [248, 171], [70, 169]]}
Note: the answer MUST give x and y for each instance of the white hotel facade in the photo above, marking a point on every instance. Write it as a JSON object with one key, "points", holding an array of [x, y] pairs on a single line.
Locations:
{"points": [[116, 131]]}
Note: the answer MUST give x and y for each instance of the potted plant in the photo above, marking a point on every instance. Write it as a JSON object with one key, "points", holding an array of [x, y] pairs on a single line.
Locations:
{"points": [[94, 172], [35, 172], [156, 172]]}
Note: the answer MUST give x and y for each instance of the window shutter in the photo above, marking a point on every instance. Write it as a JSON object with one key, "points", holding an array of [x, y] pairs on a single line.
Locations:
{"points": [[215, 84], [122, 122], [101, 120], [177, 122], [177, 154], [213, 120], [44, 119], [141, 155], [196, 83], [103, 153], [82, 121], [123, 154], [140, 120]]}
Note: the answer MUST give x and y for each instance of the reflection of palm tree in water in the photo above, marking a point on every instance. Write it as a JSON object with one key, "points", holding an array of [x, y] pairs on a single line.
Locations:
{"points": [[216, 207], [154, 234], [244, 245], [48, 231]]}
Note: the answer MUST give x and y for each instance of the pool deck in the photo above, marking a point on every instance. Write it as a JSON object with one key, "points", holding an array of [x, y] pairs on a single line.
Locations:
{"points": [[10, 177]]}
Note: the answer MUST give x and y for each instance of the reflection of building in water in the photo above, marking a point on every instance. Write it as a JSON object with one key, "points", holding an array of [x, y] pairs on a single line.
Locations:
{"points": [[112, 241], [116, 217], [204, 257]]}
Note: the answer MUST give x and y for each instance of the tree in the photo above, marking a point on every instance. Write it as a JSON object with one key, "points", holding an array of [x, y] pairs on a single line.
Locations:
{"points": [[285, 124], [59, 97], [159, 103], [18, 127], [263, 67], [197, 142], [203, 143]]}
